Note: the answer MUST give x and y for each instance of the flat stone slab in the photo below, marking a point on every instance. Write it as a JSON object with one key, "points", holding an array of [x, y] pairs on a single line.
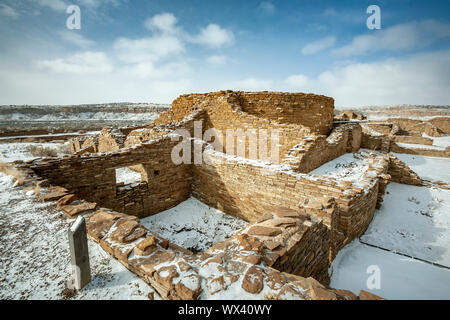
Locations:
{"points": [[75, 209], [264, 231], [286, 212], [52, 196]]}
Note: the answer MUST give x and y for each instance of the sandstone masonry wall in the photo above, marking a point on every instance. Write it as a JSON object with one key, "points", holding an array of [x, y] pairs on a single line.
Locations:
{"points": [[93, 178], [312, 152]]}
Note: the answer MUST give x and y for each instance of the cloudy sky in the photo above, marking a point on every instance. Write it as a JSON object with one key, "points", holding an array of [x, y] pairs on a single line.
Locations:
{"points": [[153, 51]]}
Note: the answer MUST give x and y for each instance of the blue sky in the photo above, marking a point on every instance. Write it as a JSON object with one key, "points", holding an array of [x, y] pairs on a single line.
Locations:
{"points": [[153, 51]]}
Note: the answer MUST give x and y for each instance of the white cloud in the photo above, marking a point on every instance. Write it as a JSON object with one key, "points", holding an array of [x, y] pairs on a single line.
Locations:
{"points": [[214, 36], [8, 11], [76, 39], [148, 49], [319, 45], [421, 79], [297, 81], [267, 7], [217, 59], [164, 22], [150, 70], [57, 5], [400, 37], [81, 63]]}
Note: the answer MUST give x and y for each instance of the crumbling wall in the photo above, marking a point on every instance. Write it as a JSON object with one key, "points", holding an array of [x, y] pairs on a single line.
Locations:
{"points": [[154, 131], [247, 190], [401, 173], [244, 190], [292, 115], [110, 140], [307, 253], [309, 110], [420, 150], [244, 259], [312, 152], [442, 123], [93, 178], [413, 139]]}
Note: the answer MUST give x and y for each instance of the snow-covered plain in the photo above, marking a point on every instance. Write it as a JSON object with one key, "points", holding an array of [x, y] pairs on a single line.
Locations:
{"points": [[400, 277], [443, 141], [193, 225], [413, 221], [85, 116], [34, 254], [12, 151], [430, 168]]}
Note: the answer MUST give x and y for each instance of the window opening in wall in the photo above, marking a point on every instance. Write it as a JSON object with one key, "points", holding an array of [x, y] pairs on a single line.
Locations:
{"points": [[127, 176]]}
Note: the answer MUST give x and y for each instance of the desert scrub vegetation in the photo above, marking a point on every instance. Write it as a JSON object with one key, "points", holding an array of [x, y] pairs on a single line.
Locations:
{"points": [[41, 151], [9, 170]]}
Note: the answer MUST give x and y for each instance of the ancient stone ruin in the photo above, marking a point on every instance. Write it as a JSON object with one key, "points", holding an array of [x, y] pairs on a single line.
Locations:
{"points": [[297, 221]]}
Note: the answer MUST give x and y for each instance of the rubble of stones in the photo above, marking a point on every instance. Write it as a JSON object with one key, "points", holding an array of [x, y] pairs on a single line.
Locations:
{"points": [[297, 222]]}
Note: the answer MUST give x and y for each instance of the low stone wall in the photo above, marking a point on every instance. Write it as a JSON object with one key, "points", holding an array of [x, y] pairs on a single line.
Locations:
{"points": [[145, 134], [110, 140], [286, 240], [423, 151], [413, 139], [442, 123], [401, 173], [247, 190], [93, 177], [312, 152]]}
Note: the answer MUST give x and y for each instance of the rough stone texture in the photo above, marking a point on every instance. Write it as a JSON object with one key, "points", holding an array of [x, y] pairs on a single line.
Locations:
{"points": [[314, 151], [75, 209], [177, 274], [385, 135], [298, 221], [253, 280], [93, 178], [442, 123], [350, 115], [364, 295], [420, 151]]}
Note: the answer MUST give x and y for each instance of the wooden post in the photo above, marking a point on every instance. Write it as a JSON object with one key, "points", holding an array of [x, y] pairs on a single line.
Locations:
{"points": [[79, 254]]}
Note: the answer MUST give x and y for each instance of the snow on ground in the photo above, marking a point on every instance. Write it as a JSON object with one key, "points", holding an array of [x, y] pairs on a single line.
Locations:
{"points": [[400, 277], [348, 167], [34, 254], [12, 151], [127, 176], [439, 143], [53, 135], [414, 221], [419, 146], [430, 168], [443, 141], [89, 116], [193, 225]]}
